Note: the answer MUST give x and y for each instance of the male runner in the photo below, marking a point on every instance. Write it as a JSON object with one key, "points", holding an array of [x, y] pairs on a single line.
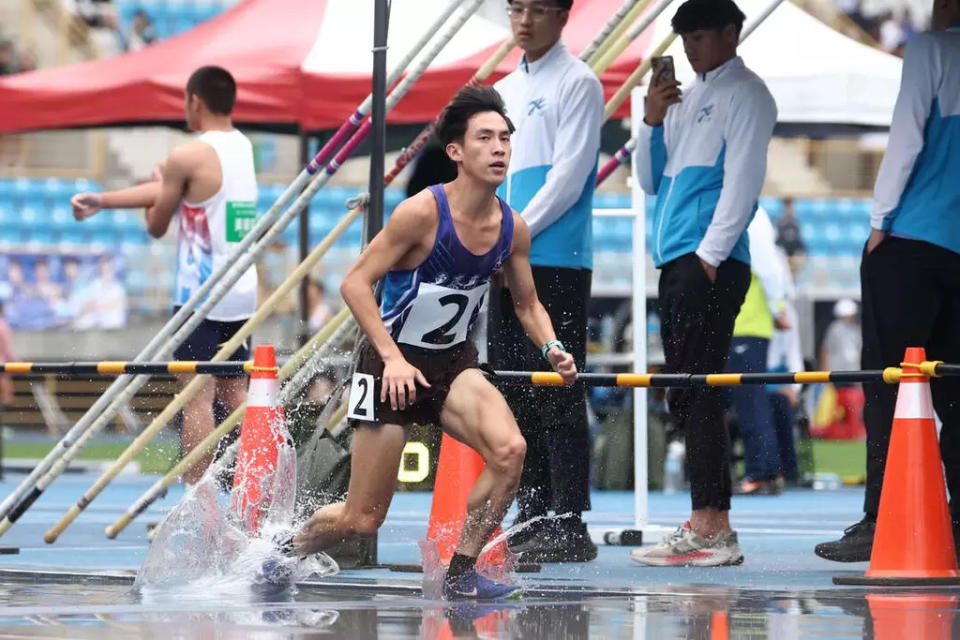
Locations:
{"points": [[437, 254], [210, 182]]}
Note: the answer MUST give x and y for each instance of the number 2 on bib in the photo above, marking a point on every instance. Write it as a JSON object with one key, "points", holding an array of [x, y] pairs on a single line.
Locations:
{"points": [[441, 317], [361, 402]]}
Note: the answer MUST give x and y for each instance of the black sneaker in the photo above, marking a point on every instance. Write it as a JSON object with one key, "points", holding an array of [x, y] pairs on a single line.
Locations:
{"points": [[855, 545], [561, 541]]}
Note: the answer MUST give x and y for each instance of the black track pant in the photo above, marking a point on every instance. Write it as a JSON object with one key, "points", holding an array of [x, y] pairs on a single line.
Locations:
{"points": [[911, 298], [556, 473], [696, 320]]}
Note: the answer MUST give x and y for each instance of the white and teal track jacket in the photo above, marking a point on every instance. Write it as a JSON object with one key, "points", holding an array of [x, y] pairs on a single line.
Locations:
{"points": [[556, 104], [706, 165], [917, 194]]}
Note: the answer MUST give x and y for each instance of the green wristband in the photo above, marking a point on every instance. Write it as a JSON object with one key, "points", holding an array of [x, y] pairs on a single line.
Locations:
{"points": [[552, 343]]}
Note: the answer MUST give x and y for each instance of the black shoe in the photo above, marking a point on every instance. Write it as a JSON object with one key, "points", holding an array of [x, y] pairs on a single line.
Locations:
{"points": [[559, 541], [532, 530], [855, 545]]}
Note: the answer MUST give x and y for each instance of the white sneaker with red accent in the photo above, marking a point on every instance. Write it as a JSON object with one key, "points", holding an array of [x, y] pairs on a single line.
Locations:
{"points": [[684, 548]]}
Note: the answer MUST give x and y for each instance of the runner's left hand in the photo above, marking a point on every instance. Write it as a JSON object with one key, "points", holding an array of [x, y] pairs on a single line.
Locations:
{"points": [[562, 362]]}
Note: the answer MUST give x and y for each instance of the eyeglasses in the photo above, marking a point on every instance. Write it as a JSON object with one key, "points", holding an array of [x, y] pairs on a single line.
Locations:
{"points": [[536, 11]]}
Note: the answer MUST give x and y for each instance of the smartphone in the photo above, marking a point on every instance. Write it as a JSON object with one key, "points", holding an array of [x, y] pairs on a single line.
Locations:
{"points": [[663, 70]]}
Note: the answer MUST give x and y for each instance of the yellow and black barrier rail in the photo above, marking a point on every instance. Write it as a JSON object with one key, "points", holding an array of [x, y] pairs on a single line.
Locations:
{"points": [[890, 375], [121, 368]]}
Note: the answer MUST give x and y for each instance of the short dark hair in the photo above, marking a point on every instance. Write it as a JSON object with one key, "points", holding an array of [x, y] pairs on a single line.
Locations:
{"points": [[468, 102], [694, 15], [215, 86], [563, 4]]}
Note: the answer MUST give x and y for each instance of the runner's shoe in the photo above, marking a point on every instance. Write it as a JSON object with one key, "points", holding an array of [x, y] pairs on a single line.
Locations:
{"points": [[684, 548], [473, 586]]}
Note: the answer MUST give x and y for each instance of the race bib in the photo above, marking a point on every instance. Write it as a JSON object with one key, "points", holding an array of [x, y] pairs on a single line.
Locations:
{"points": [[241, 216], [440, 317], [360, 405]]}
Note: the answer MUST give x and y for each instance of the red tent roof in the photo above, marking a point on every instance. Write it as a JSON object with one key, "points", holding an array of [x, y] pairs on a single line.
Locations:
{"points": [[264, 43]]}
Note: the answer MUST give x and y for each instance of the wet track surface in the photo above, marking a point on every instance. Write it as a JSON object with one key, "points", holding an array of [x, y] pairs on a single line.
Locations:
{"points": [[81, 587]]}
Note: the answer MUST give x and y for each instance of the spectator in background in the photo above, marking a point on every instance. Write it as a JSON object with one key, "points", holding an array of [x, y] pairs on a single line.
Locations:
{"points": [[908, 26], [703, 153], [910, 268], [763, 310], [788, 231], [840, 351], [107, 307], [556, 104], [786, 354], [891, 33], [317, 304], [142, 31], [98, 14], [7, 354], [209, 186], [45, 286], [9, 64]]}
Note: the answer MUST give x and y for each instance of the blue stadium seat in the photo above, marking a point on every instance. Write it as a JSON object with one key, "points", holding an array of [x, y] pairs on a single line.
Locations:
{"points": [[60, 217]]}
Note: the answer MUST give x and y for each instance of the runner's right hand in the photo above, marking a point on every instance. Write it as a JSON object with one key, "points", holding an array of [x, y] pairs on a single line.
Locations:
{"points": [[85, 205], [400, 380]]}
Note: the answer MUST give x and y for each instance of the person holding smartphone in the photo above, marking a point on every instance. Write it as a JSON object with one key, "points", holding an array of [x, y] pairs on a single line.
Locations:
{"points": [[702, 153]]}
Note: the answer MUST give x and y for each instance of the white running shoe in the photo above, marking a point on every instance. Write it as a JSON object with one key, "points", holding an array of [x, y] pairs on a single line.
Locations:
{"points": [[684, 548]]}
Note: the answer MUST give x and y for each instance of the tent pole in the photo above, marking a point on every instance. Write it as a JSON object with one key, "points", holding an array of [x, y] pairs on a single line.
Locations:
{"points": [[304, 240], [374, 220]]}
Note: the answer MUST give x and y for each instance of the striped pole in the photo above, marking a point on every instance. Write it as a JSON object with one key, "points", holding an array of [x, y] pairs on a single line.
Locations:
{"points": [[618, 23], [356, 119], [592, 56], [331, 335], [890, 375], [108, 367], [622, 156], [605, 60]]}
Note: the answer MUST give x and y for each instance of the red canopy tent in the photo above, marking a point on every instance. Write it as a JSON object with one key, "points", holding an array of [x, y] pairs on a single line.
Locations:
{"points": [[298, 65]]}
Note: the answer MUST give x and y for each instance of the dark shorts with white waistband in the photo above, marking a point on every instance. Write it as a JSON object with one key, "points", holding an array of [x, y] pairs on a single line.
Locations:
{"points": [[440, 368], [207, 339]]}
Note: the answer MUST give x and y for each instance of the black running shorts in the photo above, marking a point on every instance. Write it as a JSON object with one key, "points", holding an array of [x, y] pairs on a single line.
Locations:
{"points": [[439, 368]]}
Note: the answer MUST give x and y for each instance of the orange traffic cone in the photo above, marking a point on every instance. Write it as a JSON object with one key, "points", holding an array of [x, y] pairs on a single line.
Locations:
{"points": [[260, 439], [915, 615], [719, 626], [913, 543], [457, 471]]}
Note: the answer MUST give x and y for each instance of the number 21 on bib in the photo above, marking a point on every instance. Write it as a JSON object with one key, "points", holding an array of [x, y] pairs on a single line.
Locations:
{"points": [[361, 403]]}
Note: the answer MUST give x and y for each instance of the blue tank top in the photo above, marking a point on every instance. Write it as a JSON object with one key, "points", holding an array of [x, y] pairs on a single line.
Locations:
{"points": [[435, 305]]}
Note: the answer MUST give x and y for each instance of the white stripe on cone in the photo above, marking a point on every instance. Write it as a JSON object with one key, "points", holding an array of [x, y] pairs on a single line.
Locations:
{"points": [[263, 392], [914, 401]]}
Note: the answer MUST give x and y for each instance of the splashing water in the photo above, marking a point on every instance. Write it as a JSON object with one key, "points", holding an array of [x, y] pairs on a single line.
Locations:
{"points": [[495, 562], [203, 547]]}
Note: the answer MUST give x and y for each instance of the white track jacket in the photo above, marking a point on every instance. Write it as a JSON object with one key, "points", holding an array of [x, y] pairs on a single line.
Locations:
{"points": [[706, 165], [556, 104], [917, 194]]}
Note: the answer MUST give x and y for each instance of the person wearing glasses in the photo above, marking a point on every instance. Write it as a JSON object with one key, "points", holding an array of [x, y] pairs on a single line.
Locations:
{"points": [[556, 103]]}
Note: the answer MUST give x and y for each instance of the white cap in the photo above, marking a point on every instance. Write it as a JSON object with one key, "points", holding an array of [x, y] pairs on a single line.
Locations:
{"points": [[845, 307]]}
